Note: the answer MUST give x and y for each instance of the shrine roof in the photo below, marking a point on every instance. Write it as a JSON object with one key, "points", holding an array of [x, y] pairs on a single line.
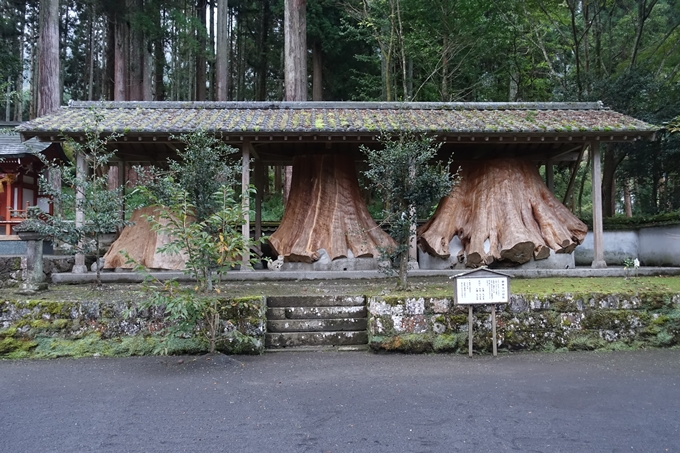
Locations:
{"points": [[133, 118], [12, 146]]}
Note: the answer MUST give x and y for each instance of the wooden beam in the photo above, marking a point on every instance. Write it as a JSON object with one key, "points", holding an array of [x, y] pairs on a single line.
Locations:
{"points": [[572, 177], [81, 172], [245, 183], [550, 175], [598, 239], [260, 178]]}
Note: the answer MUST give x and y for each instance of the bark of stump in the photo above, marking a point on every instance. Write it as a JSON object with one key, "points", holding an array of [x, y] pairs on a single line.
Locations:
{"points": [[506, 202], [325, 211], [142, 243]]}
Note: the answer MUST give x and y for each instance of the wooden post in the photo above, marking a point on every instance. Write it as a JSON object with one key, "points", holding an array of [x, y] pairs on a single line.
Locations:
{"points": [[470, 330], [493, 329], [245, 183], [81, 172], [598, 240], [8, 193], [550, 176], [259, 186]]}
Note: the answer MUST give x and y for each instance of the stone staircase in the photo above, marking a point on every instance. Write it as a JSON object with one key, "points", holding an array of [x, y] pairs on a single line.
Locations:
{"points": [[316, 322]]}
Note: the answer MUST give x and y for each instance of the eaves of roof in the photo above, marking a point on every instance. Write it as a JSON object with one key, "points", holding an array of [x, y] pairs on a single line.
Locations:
{"points": [[12, 146], [339, 118]]}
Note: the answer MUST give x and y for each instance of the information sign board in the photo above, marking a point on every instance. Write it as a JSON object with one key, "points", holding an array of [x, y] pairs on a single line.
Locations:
{"points": [[482, 290], [478, 287]]}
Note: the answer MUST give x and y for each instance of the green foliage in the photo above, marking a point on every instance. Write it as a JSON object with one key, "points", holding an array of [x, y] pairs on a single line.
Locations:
{"points": [[85, 191], [404, 177], [620, 222], [272, 208], [203, 227]]}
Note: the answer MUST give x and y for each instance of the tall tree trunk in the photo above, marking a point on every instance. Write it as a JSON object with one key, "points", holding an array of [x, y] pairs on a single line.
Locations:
{"points": [[8, 100], [627, 201], [136, 56], [63, 44], [263, 52], [210, 49], [48, 79], [200, 54], [147, 71], [19, 87], [159, 56], [90, 54], [222, 57], [295, 30], [317, 72], [120, 92], [241, 70], [34, 90], [612, 159], [108, 87]]}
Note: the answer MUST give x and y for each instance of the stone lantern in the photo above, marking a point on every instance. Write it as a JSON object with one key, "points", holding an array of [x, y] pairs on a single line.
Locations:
{"points": [[29, 231]]}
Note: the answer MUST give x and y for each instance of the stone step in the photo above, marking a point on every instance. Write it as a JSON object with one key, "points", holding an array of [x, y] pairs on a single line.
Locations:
{"points": [[316, 325], [315, 301], [296, 339], [315, 312], [320, 348]]}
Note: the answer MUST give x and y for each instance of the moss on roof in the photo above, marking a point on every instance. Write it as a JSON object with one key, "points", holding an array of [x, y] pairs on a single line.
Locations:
{"points": [[143, 118]]}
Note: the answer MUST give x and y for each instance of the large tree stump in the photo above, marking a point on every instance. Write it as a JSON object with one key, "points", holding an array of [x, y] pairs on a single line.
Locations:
{"points": [[325, 211], [141, 243], [501, 211]]}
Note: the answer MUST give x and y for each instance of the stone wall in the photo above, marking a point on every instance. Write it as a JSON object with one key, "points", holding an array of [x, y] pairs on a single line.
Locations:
{"points": [[11, 267], [46, 329], [564, 322], [653, 246]]}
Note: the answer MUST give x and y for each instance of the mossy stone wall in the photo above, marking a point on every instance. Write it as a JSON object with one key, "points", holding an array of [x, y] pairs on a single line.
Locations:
{"points": [[47, 329], [531, 323], [11, 268]]}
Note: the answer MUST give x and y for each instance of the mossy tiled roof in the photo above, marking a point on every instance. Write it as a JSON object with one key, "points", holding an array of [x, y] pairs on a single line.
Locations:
{"points": [[11, 145], [253, 118]]}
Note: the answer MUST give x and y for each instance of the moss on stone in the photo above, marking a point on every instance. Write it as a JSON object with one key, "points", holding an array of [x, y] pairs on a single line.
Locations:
{"points": [[60, 324], [614, 319], [8, 333], [449, 342], [585, 341], [458, 320], [9, 346], [40, 324]]}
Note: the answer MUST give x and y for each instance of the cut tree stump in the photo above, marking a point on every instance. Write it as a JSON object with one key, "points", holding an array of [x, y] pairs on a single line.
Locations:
{"points": [[325, 211], [142, 243], [501, 211]]}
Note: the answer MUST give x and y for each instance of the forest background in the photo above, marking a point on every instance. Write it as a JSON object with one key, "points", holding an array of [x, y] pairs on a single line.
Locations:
{"points": [[625, 53]]}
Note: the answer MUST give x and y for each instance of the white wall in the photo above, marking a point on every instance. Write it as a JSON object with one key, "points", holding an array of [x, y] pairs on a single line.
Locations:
{"points": [[653, 246]]}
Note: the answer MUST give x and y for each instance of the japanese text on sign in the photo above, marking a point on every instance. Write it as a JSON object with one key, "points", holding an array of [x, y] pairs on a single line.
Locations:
{"points": [[482, 290]]}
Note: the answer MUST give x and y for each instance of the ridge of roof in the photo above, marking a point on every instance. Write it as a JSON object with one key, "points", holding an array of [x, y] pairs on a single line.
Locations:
{"points": [[336, 105]]}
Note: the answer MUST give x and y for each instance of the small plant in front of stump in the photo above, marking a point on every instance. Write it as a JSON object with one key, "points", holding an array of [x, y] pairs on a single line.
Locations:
{"points": [[403, 175]]}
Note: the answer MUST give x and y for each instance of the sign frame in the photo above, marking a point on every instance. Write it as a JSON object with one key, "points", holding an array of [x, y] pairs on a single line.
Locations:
{"points": [[469, 289]]}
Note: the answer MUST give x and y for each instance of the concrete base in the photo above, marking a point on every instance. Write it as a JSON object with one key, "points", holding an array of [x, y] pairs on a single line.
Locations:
{"points": [[338, 265], [266, 275], [79, 269], [554, 261], [27, 289]]}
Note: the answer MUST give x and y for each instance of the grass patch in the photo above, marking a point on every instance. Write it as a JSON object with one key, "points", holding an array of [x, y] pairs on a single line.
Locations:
{"points": [[603, 285]]}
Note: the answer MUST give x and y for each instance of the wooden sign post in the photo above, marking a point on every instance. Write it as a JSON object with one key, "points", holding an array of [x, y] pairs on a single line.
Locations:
{"points": [[480, 287]]}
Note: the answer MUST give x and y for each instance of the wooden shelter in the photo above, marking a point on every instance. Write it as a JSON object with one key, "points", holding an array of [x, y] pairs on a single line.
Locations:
{"points": [[20, 168], [322, 139]]}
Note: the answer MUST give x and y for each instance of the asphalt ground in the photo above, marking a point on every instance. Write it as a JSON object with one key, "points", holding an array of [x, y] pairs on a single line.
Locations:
{"points": [[344, 402]]}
